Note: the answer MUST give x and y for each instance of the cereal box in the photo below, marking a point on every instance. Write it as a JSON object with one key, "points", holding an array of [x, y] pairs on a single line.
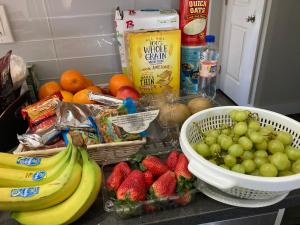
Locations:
{"points": [[154, 61], [134, 20]]}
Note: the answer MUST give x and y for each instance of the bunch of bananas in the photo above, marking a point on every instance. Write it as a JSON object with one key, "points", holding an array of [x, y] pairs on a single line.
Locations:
{"points": [[55, 190]]}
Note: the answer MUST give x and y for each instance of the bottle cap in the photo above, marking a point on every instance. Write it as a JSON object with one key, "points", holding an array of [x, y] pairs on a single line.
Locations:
{"points": [[210, 38]]}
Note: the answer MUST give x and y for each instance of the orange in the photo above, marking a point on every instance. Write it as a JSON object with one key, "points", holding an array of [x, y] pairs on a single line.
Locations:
{"points": [[94, 89], [117, 81], [88, 82], [67, 96], [72, 81], [82, 97], [48, 89]]}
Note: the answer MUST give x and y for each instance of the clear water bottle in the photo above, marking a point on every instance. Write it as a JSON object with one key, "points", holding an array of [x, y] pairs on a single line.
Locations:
{"points": [[208, 68]]}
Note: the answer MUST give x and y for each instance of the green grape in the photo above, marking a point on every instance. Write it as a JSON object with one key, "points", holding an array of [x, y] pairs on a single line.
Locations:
{"points": [[226, 131], [254, 125], [249, 131], [215, 149], [229, 160], [266, 130], [226, 142], [209, 140], [275, 146], [241, 116], [281, 161], [213, 161], [292, 153], [214, 133], [240, 128], [194, 146], [285, 173], [261, 146], [249, 165], [220, 137], [260, 153], [203, 149], [236, 150], [247, 155], [284, 137], [233, 114], [246, 143], [296, 166], [255, 173], [238, 168], [224, 166], [256, 137], [260, 161], [268, 170]]}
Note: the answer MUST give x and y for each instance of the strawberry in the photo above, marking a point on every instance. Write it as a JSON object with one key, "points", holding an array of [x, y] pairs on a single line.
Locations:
{"points": [[154, 165], [185, 198], [133, 187], [119, 173], [164, 186], [181, 169], [172, 160], [148, 178]]}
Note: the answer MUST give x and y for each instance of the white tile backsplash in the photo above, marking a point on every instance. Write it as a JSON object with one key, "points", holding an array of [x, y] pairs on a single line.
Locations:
{"points": [[24, 9], [47, 70], [31, 50], [30, 29], [86, 46], [83, 7], [57, 35], [82, 25], [92, 65]]}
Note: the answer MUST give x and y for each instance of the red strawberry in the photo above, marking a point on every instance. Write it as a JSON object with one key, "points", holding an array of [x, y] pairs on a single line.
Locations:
{"points": [[133, 187], [154, 165], [181, 169], [148, 178], [172, 160], [185, 198], [165, 185], [119, 173]]}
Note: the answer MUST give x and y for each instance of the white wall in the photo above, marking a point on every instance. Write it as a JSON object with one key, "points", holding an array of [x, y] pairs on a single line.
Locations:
{"points": [[278, 86], [57, 35]]}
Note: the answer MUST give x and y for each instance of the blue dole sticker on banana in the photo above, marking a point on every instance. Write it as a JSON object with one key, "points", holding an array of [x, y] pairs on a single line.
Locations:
{"points": [[39, 175], [29, 161], [24, 192]]}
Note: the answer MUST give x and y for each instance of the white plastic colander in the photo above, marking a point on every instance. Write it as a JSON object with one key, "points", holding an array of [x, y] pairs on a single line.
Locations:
{"points": [[236, 184]]}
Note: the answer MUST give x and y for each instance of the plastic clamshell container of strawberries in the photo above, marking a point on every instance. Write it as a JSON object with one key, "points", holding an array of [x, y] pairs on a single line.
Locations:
{"points": [[127, 209]]}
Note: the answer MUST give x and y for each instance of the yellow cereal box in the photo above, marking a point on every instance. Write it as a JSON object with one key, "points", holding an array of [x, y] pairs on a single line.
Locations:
{"points": [[154, 61]]}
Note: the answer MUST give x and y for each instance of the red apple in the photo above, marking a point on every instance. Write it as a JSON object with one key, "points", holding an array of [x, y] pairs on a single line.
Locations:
{"points": [[126, 92]]}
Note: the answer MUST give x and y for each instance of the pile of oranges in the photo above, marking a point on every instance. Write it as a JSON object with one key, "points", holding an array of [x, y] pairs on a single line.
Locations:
{"points": [[74, 87]]}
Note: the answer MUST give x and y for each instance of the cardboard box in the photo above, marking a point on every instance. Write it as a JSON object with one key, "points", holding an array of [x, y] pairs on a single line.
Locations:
{"points": [[133, 20], [154, 60]]}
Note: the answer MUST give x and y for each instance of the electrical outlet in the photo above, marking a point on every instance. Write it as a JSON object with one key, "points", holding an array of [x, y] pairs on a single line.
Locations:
{"points": [[5, 32]]}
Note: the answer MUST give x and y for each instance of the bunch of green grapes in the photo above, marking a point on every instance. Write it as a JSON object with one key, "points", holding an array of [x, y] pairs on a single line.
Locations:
{"points": [[248, 148]]}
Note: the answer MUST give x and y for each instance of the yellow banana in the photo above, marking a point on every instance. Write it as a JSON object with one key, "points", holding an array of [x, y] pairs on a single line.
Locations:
{"points": [[30, 163], [59, 196], [32, 196], [64, 212], [93, 196], [26, 178]]}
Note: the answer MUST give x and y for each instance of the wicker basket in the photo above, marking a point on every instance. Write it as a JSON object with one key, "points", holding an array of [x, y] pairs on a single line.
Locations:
{"points": [[109, 152]]}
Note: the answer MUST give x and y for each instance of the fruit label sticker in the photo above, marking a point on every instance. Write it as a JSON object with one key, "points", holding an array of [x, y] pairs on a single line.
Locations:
{"points": [[29, 161], [39, 175], [24, 192], [135, 123]]}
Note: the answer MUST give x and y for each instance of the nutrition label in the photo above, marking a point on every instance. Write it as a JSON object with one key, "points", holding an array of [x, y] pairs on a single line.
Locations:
{"points": [[135, 123]]}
